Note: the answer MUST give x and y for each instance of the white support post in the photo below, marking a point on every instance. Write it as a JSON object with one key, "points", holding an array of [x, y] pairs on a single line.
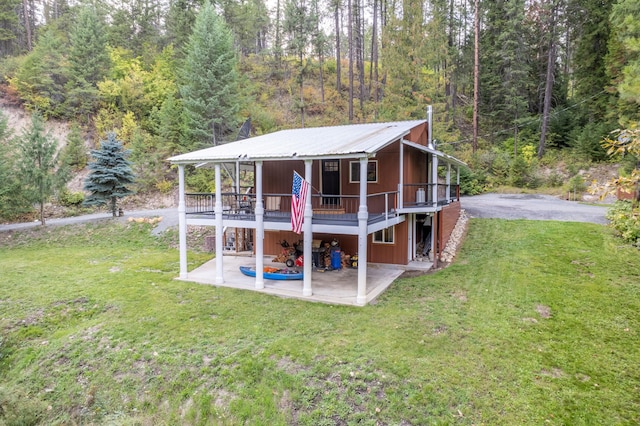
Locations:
{"points": [[458, 182], [237, 182], [307, 228], [411, 241], [401, 178], [363, 217], [430, 128], [182, 223], [219, 231], [259, 242], [448, 182], [434, 178]]}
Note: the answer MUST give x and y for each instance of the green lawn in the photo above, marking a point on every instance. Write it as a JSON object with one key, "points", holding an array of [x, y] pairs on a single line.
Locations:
{"points": [[535, 323]]}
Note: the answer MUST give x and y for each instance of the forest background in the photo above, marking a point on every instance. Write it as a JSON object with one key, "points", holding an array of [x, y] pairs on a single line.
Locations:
{"points": [[524, 91]]}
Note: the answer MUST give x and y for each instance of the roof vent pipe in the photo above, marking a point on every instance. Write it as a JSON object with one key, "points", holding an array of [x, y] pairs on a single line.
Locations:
{"points": [[430, 128]]}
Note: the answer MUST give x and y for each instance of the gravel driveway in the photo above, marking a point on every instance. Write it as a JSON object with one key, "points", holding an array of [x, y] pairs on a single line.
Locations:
{"points": [[531, 206], [502, 206]]}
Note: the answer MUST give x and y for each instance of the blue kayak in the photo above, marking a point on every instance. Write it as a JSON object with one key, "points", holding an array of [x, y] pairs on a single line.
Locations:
{"points": [[271, 273]]}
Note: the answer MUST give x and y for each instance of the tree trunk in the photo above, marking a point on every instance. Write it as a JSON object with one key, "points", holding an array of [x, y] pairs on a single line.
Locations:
{"points": [[42, 222], [320, 48], [27, 24], [301, 93], [350, 47], [548, 88], [277, 51], [338, 58], [359, 40], [476, 75], [113, 206]]}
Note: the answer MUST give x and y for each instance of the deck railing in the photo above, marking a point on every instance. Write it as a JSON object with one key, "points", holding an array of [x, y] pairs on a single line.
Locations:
{"points": [[424, 194], [325, 206]]}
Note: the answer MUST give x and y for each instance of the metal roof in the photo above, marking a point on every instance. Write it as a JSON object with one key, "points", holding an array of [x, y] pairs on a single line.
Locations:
{"points": [[355, 140]]}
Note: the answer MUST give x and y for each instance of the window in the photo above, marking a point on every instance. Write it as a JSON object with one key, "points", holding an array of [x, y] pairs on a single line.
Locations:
{"points": [[384, 236], [331, 165], [372, 171]]}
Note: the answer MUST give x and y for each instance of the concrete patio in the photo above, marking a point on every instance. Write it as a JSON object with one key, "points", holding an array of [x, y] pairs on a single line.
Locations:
{"points": [[334, 287]]}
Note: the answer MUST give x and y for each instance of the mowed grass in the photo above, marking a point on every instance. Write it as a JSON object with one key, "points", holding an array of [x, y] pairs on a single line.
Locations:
{"points": [[535, 323]]}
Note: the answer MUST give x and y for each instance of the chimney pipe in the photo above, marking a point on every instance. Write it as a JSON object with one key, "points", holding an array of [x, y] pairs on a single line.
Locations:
{"points": [[430, 126]]}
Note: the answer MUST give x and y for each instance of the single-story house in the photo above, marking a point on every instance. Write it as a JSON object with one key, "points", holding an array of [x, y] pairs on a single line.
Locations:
{"points": [[381, 189]]}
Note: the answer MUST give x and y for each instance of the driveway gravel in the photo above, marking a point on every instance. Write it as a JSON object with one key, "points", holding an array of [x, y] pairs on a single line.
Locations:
{"points": [[533, 207]]}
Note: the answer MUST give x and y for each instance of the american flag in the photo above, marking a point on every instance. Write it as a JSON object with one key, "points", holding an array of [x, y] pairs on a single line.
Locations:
{"points": [[298, 200]]}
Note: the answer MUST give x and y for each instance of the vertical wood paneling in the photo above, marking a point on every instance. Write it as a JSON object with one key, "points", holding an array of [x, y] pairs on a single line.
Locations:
{"points": [[395, 253]]}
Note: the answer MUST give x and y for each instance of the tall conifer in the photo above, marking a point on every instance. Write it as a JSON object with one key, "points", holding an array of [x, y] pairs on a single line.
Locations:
{"points": [[209, 81]]}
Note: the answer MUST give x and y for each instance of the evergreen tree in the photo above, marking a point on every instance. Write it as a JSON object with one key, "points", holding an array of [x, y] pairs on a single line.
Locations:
{"points": [[88, 61], [41, 79], [74, 154], [38, 164], [625, 17], [9, 27], [299, 25], [110, 174], [13, 201], [591, 33], [179, 20], [209, 81]]}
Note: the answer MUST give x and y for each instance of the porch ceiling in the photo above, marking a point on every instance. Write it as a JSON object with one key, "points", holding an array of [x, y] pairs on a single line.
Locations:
{"points": [[357, 140], [445, 157]]}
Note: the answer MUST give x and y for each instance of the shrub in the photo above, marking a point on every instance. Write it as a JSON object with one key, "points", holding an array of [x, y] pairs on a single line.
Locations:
{"points": [[625, 220], [164, 186], [68, 198], [555, 180], [471, 183]]}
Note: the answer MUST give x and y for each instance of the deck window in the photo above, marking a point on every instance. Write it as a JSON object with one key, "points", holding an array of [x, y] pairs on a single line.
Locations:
{"points": [[372, 171], [384, 236]]}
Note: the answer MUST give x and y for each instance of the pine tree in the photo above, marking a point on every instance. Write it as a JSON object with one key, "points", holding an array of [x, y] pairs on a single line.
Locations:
{"points": [[110, 174], [624, 19], [89, 62], [74, 154], [38, 164], [9, 27], [42, 76], [13, 201], [210, 81], [299, 25]]}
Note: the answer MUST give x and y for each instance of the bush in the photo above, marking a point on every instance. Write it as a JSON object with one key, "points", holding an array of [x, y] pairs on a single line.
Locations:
{"points": [[555, 180], [471, 183], [626, 221], [69, 199], [164, 186]]}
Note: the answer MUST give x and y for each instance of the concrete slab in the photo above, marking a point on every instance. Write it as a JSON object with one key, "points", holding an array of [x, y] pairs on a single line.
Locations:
{"points": [[334, 287]]}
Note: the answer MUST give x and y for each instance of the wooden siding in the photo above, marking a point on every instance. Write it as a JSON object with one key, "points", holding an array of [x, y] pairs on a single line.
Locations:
{"points": [[395, 253], [278, 176], [449, 215], [419, 134], [272, 239]]}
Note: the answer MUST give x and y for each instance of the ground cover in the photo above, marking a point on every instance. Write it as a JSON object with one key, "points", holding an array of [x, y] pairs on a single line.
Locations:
{"points": [[536, 322]]}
